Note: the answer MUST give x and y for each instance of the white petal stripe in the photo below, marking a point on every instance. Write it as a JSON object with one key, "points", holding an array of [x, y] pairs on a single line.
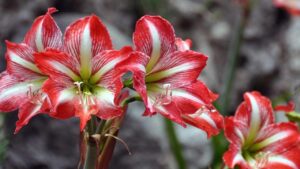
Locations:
{"points": [[107, 67], [156, 46], [181, 93], [86, 53], [63, 69], [172, 71], [275, 138], [19, 60], [282, 160], [255, 119], [39, 38]]}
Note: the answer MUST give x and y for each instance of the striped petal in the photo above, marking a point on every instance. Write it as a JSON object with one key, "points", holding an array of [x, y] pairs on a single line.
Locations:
{"points": [[84, 39], [181, 69], [44, 33], [276, 138], [287, 160], [235, 131], [20, 61], [256, 111], [62, 96], [105, 63], [58, 65], [14, 92], [155, 37], [107, 107], [233, 157]]}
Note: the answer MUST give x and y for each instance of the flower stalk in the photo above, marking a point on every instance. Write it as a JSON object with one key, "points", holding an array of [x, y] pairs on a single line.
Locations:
{"points": [[175, 145]]}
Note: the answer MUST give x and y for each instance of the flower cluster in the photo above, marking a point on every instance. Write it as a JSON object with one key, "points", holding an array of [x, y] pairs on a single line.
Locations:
{"points": [[80, 74], [257, 141]]}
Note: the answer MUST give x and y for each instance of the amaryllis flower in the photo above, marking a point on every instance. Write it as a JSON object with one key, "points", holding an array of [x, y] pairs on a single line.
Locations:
{"points": [[292, 6], [165, 75], [256, 141], [20, 84], [81, 75]]}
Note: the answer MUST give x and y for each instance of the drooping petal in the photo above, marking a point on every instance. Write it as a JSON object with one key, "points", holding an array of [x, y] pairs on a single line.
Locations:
{"points": [[30, 109], [14, 92], [276, 138], [44, 33], [183, 45], [84, 39], [256, 111], [181, 69], [135, 63], [20, 62], [233, 157], [62, 96], [155, 37], [58, 65], [286, 108]]}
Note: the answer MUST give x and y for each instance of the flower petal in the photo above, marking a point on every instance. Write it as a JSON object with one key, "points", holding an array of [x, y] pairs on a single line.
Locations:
{"points": [[233, 157], [135, 63], [287, 160], [84, 39], [104, 64], [44, 33], [105, 100], [276, 138], [256, 111], [180, 69], [155, 37], [28, 110], [58, 65], [14, 92], [20, 61], [183, 45], [286, 108], [235, 131], [62, 96]]}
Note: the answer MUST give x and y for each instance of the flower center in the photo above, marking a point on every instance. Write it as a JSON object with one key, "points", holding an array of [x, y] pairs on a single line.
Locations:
{"points": [[86, 100], [257, 160]]}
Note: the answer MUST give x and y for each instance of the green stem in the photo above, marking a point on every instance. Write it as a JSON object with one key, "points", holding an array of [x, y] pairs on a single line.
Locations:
{"points": [[91, 151], [176, 147], [233, 53], [91, 157]]}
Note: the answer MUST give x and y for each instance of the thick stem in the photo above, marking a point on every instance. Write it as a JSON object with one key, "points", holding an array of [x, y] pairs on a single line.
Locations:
{"points": [[91, 157], [175, 146]]}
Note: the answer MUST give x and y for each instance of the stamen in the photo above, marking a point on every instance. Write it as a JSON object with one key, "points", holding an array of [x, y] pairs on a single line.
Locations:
{"points": [[204, 109], [164, 98], [35, 97], [262, 159]]}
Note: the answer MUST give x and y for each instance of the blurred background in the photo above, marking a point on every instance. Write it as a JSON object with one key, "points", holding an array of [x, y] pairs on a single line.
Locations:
{"points": [[268, 61]]}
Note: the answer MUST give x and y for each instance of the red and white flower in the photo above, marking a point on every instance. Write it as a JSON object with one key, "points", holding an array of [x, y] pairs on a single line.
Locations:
{"points": [[165, 75], [292, 6], [20, 84], [256, 141], [81, 76]]}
